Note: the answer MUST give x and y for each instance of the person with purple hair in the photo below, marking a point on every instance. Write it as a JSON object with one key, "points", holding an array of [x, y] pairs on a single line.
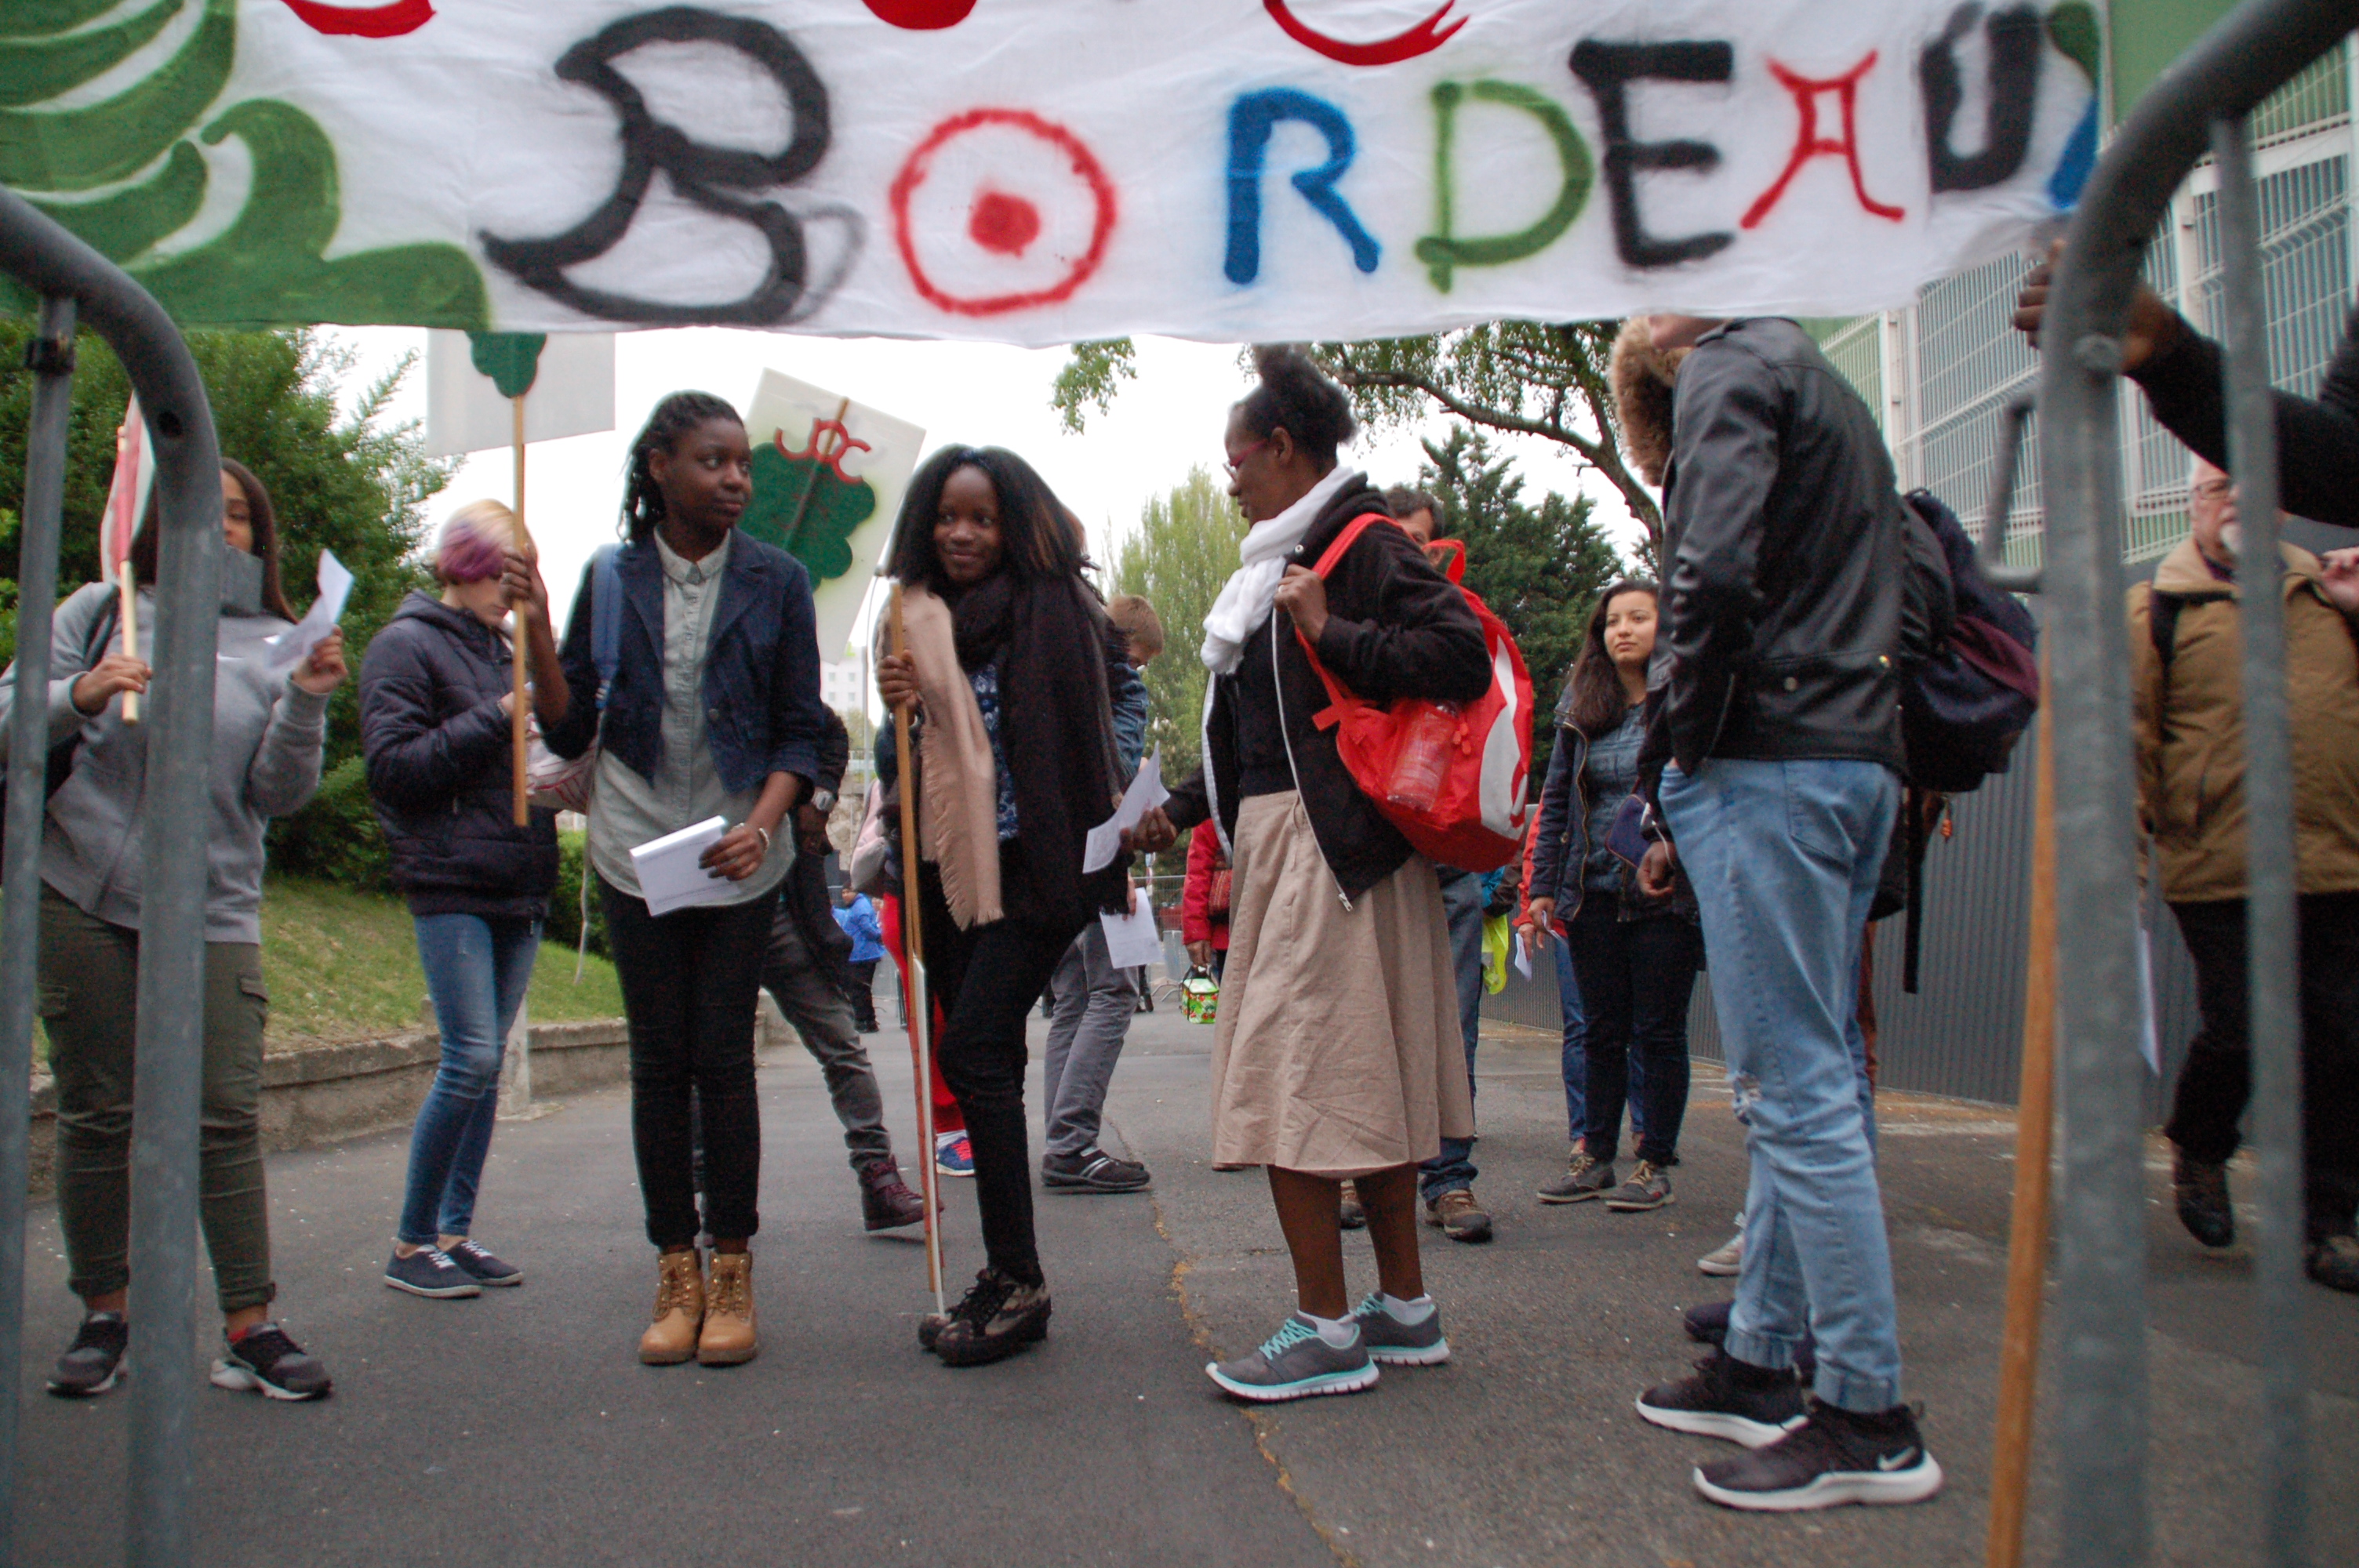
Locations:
{"points": [[437, 702]]}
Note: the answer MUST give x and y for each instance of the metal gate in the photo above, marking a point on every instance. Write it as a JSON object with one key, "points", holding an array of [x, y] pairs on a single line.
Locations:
{"points": [[77, 286]]}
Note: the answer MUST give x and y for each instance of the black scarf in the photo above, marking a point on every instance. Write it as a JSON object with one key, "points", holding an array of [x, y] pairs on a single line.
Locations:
{"points": [[1056, 732]]}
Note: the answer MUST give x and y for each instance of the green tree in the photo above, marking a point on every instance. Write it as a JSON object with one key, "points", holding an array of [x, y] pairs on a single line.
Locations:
{"points": [[1527, 378], [1183, 549], [355, 484], [1539, 568]]}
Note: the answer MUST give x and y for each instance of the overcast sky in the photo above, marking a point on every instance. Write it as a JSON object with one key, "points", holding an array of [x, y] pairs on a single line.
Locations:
{"points": [[981, 395]]}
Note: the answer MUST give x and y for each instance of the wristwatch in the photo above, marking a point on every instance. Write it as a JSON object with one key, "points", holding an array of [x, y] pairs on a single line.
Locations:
{"points": [[823, 800]]}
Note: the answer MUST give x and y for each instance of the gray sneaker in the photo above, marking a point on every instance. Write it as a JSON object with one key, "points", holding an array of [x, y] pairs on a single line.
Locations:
{"points": [[1649, 1186], [1399, 1343], [1295, 1364], [1584, 1179]]}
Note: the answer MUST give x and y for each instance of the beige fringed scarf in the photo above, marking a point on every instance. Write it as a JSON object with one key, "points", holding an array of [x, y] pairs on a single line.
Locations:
{"points": [[958, 803]]}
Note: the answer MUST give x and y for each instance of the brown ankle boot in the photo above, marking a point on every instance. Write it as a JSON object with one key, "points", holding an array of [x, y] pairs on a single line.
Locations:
{"points": [[679, 1310], [729, 1337]]}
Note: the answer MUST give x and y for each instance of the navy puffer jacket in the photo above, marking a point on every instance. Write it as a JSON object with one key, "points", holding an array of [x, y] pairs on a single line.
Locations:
{"points": [[439, 771]]}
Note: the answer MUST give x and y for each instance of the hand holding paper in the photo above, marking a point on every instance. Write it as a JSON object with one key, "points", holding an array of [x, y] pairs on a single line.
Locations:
{"points": [[1146, 792], [291, 648], [670, 873]]}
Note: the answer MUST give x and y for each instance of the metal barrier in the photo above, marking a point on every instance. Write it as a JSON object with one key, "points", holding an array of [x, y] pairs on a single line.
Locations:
{"points": [[75, 283], [2199, 106]]}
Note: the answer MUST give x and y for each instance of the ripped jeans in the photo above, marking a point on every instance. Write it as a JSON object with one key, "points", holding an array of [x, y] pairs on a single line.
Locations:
{"points": [[1783, 857]]}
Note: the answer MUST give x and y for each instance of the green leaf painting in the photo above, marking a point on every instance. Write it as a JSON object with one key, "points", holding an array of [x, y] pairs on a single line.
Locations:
{"points": [[801, 505], [127, 174], [2075, 29], [511, 359]]}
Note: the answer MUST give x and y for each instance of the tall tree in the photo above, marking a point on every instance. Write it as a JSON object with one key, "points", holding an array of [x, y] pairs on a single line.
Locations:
{"points": [[1538, 568], [1530, 378], [1183, 549], [353, 484]]}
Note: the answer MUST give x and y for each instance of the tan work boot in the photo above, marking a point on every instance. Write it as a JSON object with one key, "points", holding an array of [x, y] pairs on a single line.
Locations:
{"points": [[679, 1310], [729, 1337]]}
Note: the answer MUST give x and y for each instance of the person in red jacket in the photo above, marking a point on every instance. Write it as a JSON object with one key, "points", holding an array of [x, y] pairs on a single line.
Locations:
{"points": [[1204, 908]]}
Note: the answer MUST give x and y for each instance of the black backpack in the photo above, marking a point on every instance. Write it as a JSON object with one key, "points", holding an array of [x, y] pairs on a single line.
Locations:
{"points": [[1971, 689], [1974, 691]]}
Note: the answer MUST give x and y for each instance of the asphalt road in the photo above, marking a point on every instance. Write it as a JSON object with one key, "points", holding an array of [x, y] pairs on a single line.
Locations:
{"points": [[518, 1428]]}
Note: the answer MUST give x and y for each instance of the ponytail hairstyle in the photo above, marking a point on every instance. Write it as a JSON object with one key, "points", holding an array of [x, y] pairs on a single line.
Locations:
{"points": [[1039, 537], [1593, 700], [264, 518], [676, 416], [475, 543], [1295, 397]]}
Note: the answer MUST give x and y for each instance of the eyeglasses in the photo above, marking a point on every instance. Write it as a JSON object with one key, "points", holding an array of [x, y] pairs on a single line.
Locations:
{"points": [[2213, 489], [1234, 464]]}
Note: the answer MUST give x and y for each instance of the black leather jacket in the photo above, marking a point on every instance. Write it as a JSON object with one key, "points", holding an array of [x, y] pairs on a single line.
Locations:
{"points": [[1783, 532]]}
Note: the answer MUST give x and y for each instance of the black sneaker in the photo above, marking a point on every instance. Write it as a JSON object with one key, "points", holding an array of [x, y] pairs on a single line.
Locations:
{"points": [[478, 1263], [1730, 1398], [2333, 1262], [430, 1271], [1092, 1170], [2201, 1186], [266, 1361], [999, 1317], [1707, 1323], [1834, 1457], [93, 1362]]}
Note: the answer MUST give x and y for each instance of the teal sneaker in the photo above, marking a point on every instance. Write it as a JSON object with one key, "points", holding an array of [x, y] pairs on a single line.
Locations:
{"points": [[1295, 1363], [1397, 1344]]}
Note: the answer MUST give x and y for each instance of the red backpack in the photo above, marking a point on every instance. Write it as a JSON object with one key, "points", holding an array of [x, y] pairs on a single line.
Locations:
{"points": [[1478, 812]]}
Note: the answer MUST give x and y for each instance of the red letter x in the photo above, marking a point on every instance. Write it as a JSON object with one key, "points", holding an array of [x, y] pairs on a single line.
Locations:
{"points": [[1809, 143]]}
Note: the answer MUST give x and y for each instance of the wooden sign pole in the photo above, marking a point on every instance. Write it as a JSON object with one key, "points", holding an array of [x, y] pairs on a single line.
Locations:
{"points": [[519, 733], [921, 1004]]}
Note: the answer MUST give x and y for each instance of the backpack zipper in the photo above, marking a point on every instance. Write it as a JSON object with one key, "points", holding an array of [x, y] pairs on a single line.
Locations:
{"points": [[1278, 690]]}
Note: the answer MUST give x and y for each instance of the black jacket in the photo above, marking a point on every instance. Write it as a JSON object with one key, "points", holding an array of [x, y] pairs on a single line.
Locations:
{"points": [[1783, 532], [1395, 628], [763, 713], [435, 745], [2318, 442], [804, 898]]}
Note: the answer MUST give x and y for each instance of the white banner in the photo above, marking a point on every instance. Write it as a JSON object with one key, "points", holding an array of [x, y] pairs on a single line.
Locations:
{"points": [[1039, 171]]}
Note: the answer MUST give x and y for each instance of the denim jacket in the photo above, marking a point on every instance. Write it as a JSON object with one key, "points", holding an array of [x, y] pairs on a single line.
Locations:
{"points": [[763, 713], [1561, 843]]}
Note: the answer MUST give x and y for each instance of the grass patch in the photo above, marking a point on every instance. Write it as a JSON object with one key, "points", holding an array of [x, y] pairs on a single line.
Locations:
{"points": [[343, 964]]}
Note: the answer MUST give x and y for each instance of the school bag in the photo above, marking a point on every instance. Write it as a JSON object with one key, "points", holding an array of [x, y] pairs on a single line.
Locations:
{"points": [[1970, 689], [1478, 812]]}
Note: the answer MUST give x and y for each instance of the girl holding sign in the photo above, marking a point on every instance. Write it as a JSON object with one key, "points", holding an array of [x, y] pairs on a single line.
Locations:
{"points": [[1007, 669], [709, 708], [436, 695], [268, 734]]}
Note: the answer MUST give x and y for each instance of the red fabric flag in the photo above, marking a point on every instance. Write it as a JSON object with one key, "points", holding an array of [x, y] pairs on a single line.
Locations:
{"points": [[127, 498]]}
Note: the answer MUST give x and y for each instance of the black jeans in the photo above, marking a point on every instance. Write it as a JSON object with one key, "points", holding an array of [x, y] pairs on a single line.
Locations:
{"points": [[689, 982], [1636, 979], [863, 995], [2217, 1080], [986, 980]]}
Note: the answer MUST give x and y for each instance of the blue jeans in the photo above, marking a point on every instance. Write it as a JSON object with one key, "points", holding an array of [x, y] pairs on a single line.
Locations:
{"points": [[1452, 1170], [1572, 1061], [477, 969], [1783, 857], [1637, 978]]}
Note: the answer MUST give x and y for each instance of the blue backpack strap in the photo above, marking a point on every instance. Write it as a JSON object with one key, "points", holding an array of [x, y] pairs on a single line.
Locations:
{"points": [[606, 618]]}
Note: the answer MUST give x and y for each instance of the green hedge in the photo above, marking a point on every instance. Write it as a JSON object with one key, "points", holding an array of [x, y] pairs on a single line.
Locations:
{"points": [[564, 927]]}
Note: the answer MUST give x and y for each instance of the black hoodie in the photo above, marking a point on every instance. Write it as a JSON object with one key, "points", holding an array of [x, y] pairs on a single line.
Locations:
{"points": [[439, 770]]}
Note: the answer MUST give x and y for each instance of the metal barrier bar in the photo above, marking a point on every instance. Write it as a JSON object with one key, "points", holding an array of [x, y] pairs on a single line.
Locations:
{"points": [[169, 1060], [2274, 1020], [2102, 1441], [50, 358]]}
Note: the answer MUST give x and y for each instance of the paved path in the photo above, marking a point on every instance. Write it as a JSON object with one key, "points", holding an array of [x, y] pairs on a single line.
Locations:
{"points": [[517, 1428]]}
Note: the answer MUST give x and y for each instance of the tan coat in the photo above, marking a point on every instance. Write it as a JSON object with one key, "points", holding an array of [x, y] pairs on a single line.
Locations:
{"points": [[2189, 733]]}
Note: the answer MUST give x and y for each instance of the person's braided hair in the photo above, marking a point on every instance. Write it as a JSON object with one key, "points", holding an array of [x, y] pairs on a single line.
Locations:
{"points": [[676, 416], [1294, 395]]}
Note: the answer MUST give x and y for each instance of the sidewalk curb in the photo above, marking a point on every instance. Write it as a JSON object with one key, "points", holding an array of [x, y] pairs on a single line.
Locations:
{"points": [[320, 1093]]}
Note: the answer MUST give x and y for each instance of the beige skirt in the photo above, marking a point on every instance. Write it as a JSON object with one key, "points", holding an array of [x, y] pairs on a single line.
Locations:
{"points": [[1337, 1052]]}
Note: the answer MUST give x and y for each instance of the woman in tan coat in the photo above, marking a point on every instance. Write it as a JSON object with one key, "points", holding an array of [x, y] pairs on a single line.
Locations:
{"points": [[1338, 1053]]}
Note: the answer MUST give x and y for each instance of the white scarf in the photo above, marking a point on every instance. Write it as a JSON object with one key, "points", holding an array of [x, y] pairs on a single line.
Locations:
{"points": [[1246, 599]]}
